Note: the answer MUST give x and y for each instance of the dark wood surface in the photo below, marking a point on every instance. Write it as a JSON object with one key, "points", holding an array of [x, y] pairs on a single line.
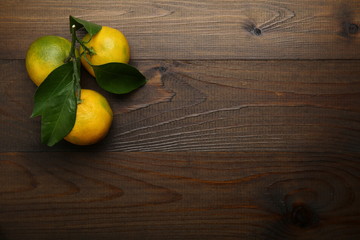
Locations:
{"points": [[247, 129], [192, 30]]}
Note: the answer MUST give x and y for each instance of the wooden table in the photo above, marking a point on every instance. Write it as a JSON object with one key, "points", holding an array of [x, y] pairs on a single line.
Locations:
{"points": [[248, 127]]}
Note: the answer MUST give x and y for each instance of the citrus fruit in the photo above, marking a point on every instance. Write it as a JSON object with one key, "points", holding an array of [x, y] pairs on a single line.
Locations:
{"points": [[109, 45], [44, 55], [93, 119]]}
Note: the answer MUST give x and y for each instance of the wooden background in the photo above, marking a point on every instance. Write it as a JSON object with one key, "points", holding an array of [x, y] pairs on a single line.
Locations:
{"points": [[247, 129]]}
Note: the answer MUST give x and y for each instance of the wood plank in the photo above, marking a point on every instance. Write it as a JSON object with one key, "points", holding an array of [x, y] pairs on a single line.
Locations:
{"points": [[189, 30], [297, 106], [179, 196]]}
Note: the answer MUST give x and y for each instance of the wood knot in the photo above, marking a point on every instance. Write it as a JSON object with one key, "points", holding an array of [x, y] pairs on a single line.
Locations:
{"points": [[303, 216], [251, 28], [257, 31], [349, 29], [353, 28]]}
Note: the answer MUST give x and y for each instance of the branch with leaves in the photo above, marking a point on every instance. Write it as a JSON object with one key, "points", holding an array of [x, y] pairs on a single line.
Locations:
{"points": [[57, 97]]}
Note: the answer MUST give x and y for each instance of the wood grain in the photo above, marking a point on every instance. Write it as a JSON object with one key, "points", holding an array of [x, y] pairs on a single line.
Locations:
{"points": [[190, 30], [248, 127], [179, 196], [210, 106]]}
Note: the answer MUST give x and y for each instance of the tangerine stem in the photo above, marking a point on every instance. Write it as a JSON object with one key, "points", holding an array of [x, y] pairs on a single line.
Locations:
{"points": [[89, 51], [76, 65], [73, 42]]}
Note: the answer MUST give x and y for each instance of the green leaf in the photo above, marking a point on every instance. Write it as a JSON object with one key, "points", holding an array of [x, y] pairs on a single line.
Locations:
{"points": [[55, 101], [57, 80], [90, 27], [77, 80], [58, 118], [118, 78]]}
